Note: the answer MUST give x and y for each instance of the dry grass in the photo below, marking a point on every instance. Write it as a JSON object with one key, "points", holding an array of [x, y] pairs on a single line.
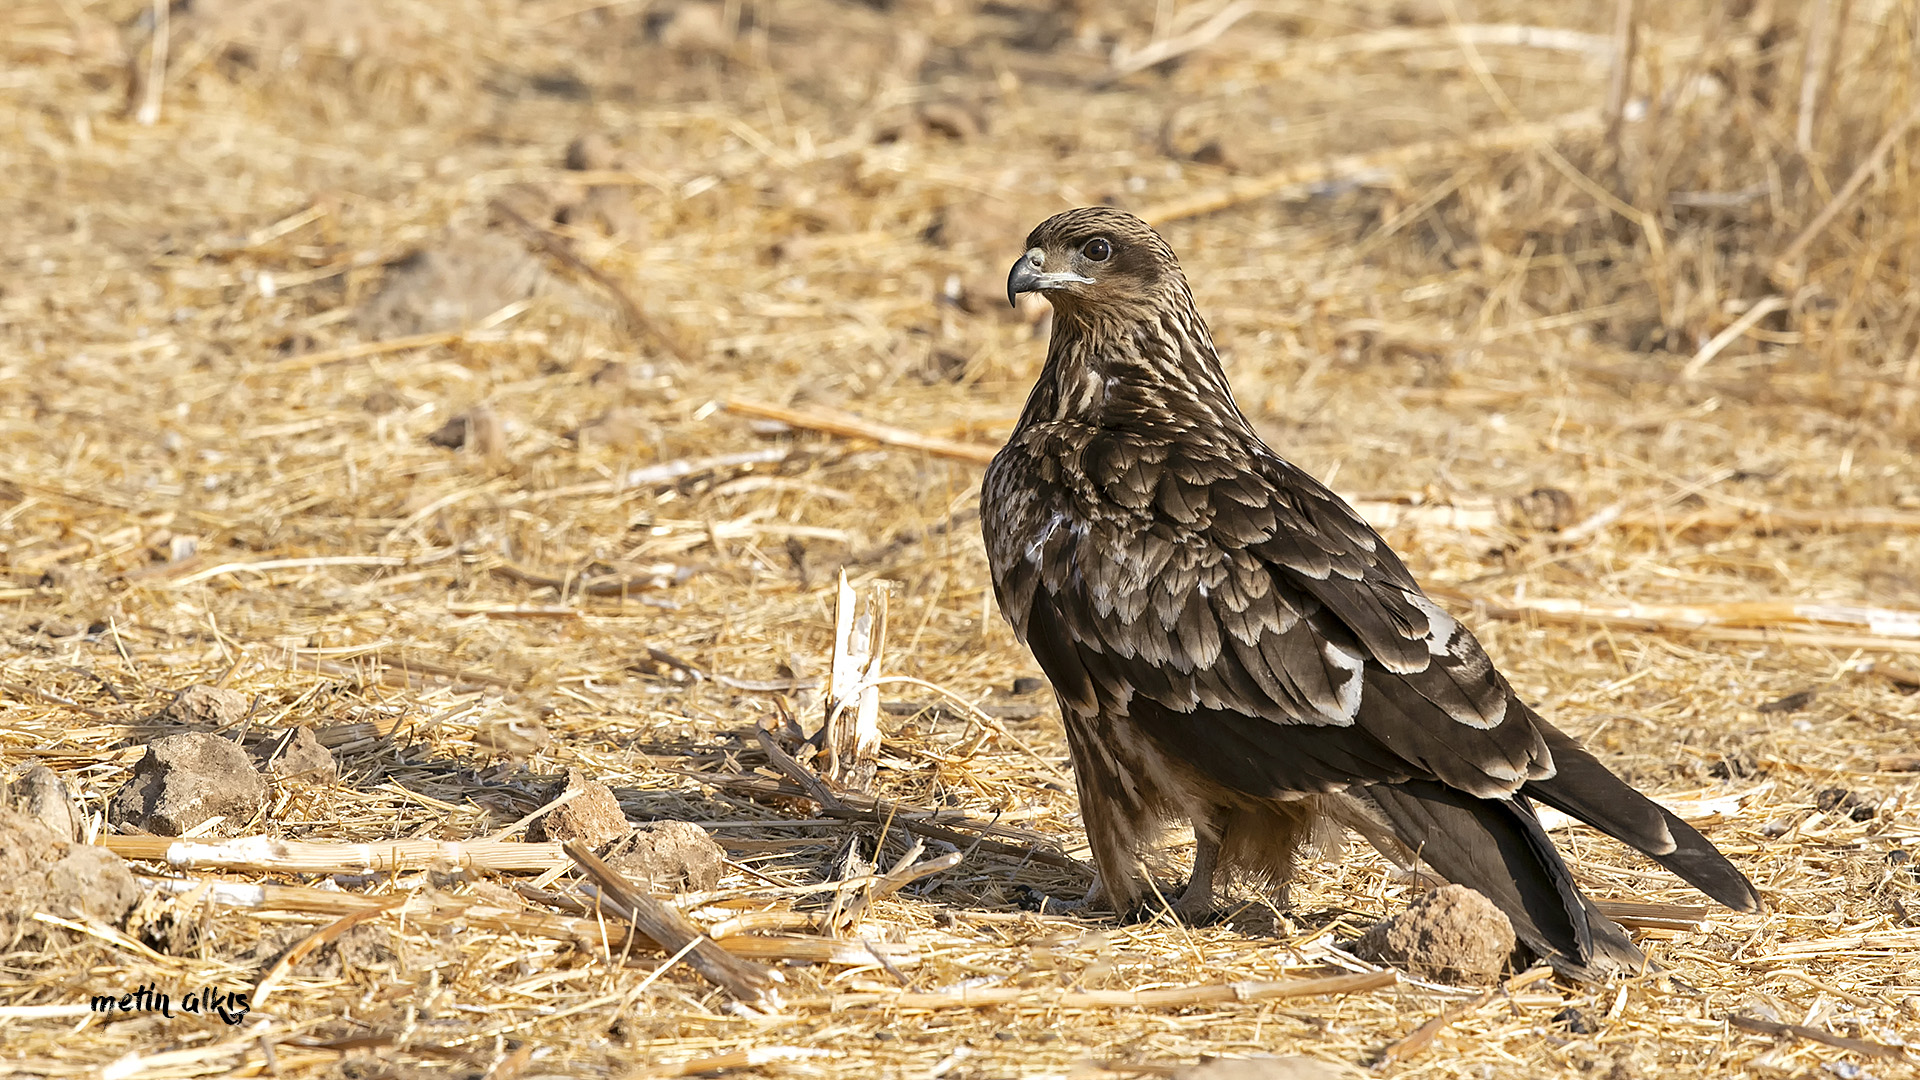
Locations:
{"points": [[208, 475]]}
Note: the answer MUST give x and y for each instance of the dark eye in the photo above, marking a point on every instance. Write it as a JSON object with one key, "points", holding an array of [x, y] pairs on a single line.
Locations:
{"points": [[1099, 249]]}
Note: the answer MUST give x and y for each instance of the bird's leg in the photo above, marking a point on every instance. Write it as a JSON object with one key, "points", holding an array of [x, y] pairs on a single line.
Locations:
{"points": [[1195, 903]]}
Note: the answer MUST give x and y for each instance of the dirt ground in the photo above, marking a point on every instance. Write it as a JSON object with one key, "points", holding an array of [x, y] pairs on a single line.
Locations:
{"points": [[405, 370]]}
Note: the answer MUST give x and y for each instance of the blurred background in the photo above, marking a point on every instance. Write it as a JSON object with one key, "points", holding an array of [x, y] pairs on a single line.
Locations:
{"points": [[441, 362]]}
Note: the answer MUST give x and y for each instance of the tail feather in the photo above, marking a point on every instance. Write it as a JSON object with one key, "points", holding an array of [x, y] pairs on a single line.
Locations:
{"points": [[1497, 848], [1588, 790]]}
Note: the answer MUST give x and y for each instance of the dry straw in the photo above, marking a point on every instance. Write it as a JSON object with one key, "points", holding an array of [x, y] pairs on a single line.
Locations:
{"points": [[433, 369]]}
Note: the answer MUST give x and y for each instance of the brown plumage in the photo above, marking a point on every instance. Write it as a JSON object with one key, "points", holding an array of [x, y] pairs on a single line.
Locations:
{"points": [[1231, 645]]}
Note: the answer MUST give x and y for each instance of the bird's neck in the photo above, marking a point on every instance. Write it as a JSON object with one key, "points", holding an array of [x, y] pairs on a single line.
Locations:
{"points": [[1152, 374]]}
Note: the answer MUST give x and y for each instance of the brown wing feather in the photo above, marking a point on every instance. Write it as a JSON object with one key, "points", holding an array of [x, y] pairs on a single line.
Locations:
{"points": [[1259, 615]]}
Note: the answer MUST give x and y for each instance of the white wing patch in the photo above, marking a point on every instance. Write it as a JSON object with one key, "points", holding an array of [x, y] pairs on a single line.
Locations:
{"points": [[1441, 627], [1054, 521], [1347, 694]]}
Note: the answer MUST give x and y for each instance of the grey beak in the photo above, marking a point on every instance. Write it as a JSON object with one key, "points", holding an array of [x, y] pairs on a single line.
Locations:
{"points": [[1027, 276]]}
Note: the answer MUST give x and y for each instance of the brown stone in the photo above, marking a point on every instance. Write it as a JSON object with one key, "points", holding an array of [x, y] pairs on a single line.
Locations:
{"points": [[206, 705], [183, 781], [454, 282], [672, 856], [592, 817], [1452, 934], [40, 871], [300, 757], [38, 790]]}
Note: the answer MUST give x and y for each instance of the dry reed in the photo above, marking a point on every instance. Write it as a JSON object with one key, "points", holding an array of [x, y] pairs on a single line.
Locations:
{"points": [[1656, 261]]}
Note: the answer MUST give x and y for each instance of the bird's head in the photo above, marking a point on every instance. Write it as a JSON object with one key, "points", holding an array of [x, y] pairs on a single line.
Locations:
{"points": [[1095, 258]]}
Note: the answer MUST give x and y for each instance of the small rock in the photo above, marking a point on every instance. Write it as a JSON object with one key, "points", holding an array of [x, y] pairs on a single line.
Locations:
{"points": [[456, 281], [672, 856], [591, 152], [210, 705], [609, 208], [951, 120], [1609, 1068], [1291, 1067], [84, 585], [1214, 153], [614, 375], [479, 430], [38, 790], [26, 847], [1544, 509], [185, 780], [1842, 801], [1452, 934], [59, 626], [40, 871], [1574, 1021], [95, 881], [606, 209], [941, 366], [300, 757], [1793, 702], [592, 817]]}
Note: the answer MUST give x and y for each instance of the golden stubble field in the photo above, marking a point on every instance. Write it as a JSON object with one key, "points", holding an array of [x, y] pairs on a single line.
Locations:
{"points": [[406, 367]]}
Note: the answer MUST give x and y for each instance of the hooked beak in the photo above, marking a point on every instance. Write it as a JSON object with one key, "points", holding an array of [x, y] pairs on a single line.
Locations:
{"points": [[1027, 276]]}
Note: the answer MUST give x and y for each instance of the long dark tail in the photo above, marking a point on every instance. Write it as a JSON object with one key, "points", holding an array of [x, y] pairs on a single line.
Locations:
{"points": [[1497, 848], [1588, 790]]}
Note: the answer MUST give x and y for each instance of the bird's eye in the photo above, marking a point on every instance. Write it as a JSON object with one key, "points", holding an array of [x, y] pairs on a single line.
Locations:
{"points": [[1098, 249]]}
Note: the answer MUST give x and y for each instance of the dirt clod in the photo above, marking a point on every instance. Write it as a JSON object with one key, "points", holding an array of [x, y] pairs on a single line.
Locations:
{"points": [[1854, 805], [185, 780], [456, 281], [205, 705], [672, 856], [301, 758], [92, 880], [37, 790], [592, 817], [1452, 934], [40, 871]]}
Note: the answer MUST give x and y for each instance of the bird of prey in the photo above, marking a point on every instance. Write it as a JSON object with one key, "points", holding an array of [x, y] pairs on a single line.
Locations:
{"points": [[1231, 645]]}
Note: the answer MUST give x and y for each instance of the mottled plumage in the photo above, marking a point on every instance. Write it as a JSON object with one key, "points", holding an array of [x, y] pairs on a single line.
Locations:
{"points": [[1231, 645]]}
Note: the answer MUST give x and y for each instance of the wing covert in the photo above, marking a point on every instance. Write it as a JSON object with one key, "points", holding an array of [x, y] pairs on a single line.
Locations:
{"points": [[1246, 620]]}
